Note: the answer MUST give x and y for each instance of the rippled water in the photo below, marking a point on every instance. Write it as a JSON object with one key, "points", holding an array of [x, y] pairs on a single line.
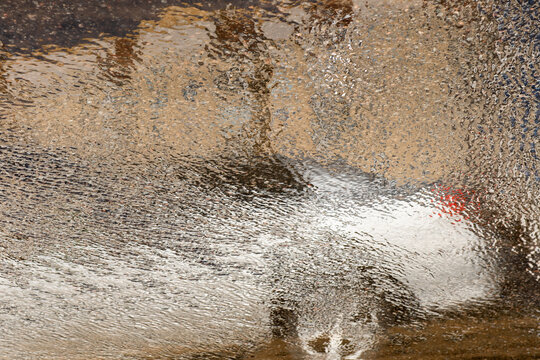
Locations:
{"points": [[269, 180]]}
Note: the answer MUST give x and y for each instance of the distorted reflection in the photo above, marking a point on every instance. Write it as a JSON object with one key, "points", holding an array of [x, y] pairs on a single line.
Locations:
{"points": [[4, 91], [333, 179], [117, 65], [240, 43]]}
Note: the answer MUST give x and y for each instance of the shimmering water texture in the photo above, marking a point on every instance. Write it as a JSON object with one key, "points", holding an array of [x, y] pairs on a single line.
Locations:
{"points": [[275, 180]]}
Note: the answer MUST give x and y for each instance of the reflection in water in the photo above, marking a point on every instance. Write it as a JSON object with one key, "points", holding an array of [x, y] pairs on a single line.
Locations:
{"points": [[117, 66], [319, 179], [4, 91], [240, 63], [241, 45]]}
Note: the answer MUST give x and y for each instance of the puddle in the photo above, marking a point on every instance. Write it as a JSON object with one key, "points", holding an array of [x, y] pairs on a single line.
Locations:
{"points": [[288, 180]]}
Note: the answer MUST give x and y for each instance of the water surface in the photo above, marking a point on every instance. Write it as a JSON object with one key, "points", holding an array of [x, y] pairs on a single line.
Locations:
{"points": [[286, 180]]}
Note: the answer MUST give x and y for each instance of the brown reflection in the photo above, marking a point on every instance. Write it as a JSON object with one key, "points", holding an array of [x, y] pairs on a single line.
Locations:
{"points": [[499, 337], [327, 23], [4, 87], [336, 12], [242, 68], [119, 63], [375, 83], [240, 43]]}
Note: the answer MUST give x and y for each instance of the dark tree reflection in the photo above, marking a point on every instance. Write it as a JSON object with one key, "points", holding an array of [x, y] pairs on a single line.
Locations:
{"points": [[118, 64]]}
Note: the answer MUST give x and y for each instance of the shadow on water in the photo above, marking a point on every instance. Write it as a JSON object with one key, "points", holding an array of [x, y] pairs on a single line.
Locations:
{"points": [[261, 180]]}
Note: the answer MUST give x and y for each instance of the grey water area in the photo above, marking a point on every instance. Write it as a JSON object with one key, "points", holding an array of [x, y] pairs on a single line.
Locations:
{"points": [[269, 180], [211, 267]]}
